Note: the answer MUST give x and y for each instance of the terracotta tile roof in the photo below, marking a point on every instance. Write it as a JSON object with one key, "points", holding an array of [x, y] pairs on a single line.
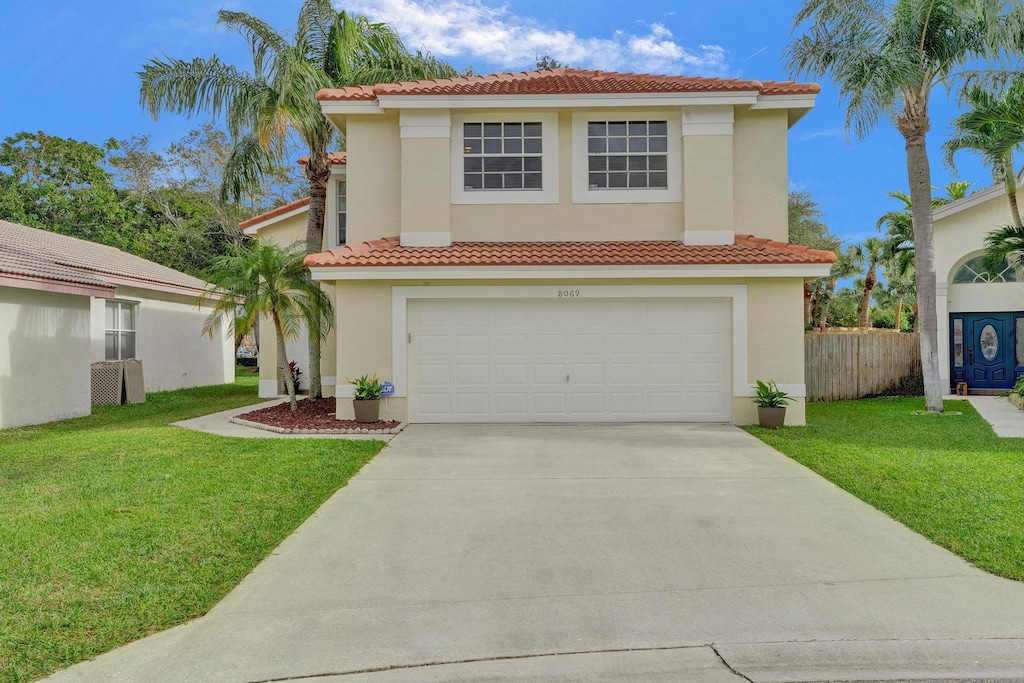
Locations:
{"points": [[68, 259], [565, 82], [746, 250], [335, 159], [273, 213]]}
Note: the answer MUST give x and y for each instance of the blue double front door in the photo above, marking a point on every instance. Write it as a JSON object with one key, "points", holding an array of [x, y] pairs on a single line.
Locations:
{"points": [[983, 349]]}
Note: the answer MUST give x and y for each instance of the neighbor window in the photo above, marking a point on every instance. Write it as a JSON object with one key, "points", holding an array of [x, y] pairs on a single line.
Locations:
{"points": [[502, 156], [342, 211], [974, 271], [120, 330], [627, 154]]}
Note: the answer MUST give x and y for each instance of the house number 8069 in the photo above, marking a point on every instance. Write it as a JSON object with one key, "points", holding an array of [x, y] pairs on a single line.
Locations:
{"points": [[571, 293]]}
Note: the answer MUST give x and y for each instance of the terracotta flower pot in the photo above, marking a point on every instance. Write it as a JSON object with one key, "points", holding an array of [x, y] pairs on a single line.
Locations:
{"points": [[771, 418], [366, 411]]}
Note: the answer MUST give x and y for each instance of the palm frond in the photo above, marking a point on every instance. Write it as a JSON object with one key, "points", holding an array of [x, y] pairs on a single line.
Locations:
{"points": [[202, 85], [262, 38]]}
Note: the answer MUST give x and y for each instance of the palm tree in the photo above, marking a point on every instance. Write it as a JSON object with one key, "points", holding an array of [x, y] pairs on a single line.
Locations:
{"points": [[899, 277], [847, 265], [872, 252], [272, 281], [886, 57], [1005, 243], [329, 49], [994, 128]]}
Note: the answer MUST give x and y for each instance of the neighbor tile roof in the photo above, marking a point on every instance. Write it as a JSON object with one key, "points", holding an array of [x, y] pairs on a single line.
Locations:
{"points": [[334, 158], [39, 253], [746, 250], [273, 213], [566, 82]]}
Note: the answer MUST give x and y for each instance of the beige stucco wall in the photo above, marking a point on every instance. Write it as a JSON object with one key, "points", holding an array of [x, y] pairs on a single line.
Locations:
{"points": [[285, 231], [374, 150], [761, 180], [169, 341], [736, 181], [774, 324], [44, 356]]}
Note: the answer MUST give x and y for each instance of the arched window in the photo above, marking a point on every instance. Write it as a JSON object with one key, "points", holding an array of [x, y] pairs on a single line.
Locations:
{"points": [[974, 271]]}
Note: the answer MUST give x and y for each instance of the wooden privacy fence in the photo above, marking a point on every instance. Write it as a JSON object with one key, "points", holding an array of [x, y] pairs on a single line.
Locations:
{"points": [[843, 365]]}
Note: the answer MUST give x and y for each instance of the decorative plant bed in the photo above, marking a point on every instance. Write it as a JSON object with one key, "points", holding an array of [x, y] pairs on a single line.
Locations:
{"points": [[312, 417]]}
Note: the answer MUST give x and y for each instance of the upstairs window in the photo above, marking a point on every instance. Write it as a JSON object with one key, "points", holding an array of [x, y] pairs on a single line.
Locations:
{"points": [[973, 271], [627, 155], [502, 156], [119, 335], [342, 190]]}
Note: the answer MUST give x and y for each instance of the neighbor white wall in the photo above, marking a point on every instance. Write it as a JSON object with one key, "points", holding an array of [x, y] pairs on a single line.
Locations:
{"points": [[44, 356], [169, 341]]}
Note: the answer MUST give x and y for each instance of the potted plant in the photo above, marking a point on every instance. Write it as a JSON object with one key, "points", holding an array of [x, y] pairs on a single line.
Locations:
{"points": [[771, 404], [366, 398]]}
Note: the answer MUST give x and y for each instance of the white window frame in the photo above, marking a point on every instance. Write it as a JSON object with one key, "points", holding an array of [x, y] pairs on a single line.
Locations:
{"points": [[548, 194], [118, 329], [331, 240], [581, 190]]}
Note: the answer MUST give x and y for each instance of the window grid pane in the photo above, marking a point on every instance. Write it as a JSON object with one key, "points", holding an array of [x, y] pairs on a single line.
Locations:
{"points": [[119, 335], [502, 156], [627, 154], [342, 211]]}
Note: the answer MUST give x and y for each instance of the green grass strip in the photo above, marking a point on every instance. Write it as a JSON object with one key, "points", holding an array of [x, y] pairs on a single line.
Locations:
{"points": [[117, 525], [948, 477]]}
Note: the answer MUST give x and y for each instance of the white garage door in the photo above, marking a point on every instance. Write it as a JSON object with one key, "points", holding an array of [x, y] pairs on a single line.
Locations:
{"points": [[596, 360]]}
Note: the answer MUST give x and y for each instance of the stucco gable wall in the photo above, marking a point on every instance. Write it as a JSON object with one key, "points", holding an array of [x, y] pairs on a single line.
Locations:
{"points": [[44, 356], [963, 233]]}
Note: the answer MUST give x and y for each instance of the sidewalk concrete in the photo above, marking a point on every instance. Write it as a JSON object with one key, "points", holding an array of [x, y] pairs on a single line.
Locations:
{"points": [[221, 425], [1006, 419]]}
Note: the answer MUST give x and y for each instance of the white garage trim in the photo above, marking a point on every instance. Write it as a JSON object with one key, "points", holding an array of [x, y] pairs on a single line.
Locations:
{"points": [[400, 297]]}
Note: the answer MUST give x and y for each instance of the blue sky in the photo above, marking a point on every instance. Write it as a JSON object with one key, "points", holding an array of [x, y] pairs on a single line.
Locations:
{"points": [[68, 67]]}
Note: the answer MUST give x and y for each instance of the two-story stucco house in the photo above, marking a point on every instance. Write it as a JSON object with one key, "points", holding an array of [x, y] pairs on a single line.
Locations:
{"points": [[569, 246]]}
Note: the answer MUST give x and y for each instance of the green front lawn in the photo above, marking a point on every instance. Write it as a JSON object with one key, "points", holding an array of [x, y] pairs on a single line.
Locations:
{"points": [[947, 476], [118, 525]]}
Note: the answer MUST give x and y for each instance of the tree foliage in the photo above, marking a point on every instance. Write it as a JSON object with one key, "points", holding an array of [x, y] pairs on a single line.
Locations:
{"points": [[162, 205]]}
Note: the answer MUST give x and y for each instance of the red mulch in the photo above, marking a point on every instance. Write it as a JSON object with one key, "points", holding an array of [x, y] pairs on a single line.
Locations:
{"points": [[310, 415]]}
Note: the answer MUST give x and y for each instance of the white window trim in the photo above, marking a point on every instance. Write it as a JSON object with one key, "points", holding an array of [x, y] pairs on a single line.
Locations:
{"points": [[581, 192], [400, 297], [549, 162], [120, 302], [332, 207]]}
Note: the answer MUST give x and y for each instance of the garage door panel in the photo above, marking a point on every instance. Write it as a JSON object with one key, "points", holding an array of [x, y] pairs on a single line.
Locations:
{"points": [[514, 345], [506, 374], [473, 374], [570, 360]]}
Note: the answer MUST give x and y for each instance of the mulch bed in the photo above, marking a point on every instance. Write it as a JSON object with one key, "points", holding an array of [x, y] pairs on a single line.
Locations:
{"points": [[313, 415]]}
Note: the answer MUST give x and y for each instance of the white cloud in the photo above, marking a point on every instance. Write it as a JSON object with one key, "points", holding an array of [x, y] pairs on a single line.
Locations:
{"points": [[492, 35], [836, 133]]}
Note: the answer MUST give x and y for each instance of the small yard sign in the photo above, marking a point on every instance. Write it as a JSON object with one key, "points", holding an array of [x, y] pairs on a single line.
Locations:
{"points": [[387, 389]]}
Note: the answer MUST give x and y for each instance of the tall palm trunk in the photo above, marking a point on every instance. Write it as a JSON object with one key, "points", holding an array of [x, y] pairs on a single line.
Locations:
{"points": [[898, 315], [914, 127], [282, 358], [808, 303], [318, 172], [865, 301]]}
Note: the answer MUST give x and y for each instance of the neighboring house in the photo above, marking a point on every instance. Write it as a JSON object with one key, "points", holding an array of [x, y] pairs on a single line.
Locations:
{"points": [[283, 226], [981, 315], [66, 303], [569, 246]]}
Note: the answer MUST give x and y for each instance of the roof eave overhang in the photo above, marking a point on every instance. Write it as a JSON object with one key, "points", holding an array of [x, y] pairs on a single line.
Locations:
{"points": [[56, 286], [752, 270], [797, 105], [254, 228]]}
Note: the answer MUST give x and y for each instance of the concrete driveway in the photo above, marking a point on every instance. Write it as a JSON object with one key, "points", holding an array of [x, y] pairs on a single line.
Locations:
{"points": [[598, 553]]}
